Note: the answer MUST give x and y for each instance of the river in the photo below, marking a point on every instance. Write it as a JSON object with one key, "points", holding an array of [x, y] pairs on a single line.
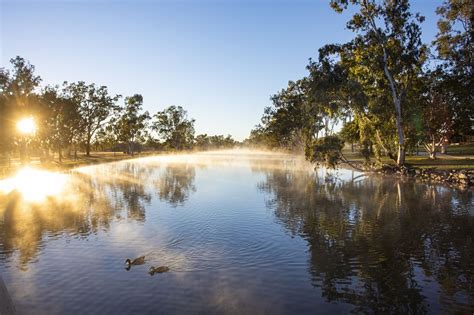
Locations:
{"points": [[242, 232]]}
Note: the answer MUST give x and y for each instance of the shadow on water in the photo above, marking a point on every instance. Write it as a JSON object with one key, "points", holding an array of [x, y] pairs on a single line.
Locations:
{"points": [[382, 245]]}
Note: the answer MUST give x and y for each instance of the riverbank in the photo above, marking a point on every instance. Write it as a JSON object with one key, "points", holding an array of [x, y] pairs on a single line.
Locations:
{"points": [[456, 178], [455, 169]]}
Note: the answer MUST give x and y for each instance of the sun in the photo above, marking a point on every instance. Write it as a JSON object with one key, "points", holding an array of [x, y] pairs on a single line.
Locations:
{"points": [[26, 126]]}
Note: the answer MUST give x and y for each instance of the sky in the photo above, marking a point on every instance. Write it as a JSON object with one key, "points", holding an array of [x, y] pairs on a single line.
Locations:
{"points": [[221, 60]]}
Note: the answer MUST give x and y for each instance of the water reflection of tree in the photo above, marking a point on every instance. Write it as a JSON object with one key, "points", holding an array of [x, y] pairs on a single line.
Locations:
{"points": [[129, 187], [373, 241], [176, 183], [90, 203]]}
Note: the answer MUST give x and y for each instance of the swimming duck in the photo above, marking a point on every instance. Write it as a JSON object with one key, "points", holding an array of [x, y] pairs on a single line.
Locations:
{"points": [[136, 261], [160, 269]]}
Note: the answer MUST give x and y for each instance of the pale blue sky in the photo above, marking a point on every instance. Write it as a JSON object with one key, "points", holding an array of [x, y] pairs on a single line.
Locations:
{"points": [[220, 60]]}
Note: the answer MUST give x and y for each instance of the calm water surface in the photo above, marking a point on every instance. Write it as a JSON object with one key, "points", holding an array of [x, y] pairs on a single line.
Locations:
{"points": [[241, 233]]}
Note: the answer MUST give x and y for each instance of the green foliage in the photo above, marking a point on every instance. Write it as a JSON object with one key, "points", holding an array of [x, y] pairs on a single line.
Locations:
{"points": [[454, 46], [350, 132], [80, 114], [130, 124], [436, 119], [95, 107], [375, 80], [325, 150], [454, 39], [385, 56], [287, 123], [174, 127], [261, 137], [62, 120], [205, 142]]}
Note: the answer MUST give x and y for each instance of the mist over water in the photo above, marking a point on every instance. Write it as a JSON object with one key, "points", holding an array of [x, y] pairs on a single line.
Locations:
{"points": [[242, 232]]}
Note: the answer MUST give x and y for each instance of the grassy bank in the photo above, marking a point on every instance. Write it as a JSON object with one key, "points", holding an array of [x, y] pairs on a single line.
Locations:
{"points": [[459, 157]]}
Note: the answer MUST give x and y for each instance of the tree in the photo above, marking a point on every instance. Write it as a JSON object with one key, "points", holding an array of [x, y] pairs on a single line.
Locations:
{"points": [[289, 119], [350, 133], [454, 46], [130, 125], [329, 95], [261, 137], [436, 115], [95, 108], [174, 127], [17, 98], [386, 53], [202, 141], [205, 142], [62, 120], [290, 122], [327, 150]]}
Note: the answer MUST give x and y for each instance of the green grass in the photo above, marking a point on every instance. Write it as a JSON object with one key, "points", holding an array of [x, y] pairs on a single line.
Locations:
{"points": [[458, 157], [441, 163], [462, 149]]}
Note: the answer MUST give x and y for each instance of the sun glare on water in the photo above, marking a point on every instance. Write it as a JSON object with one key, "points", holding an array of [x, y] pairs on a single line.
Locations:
{"points": [[34, 184]]}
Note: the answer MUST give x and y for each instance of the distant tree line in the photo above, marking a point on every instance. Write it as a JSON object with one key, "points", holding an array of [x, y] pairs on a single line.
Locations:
{"points": [[384, 90], [77, 116]]}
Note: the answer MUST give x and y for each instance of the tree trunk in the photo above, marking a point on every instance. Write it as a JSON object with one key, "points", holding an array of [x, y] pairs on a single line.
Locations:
{"points": [[433, 150], [398, 108], [130, 148], [401, 155], [88, 142], [88, 147], [443, 149]]}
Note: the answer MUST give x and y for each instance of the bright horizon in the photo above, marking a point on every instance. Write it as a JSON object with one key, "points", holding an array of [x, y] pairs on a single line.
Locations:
{"points": [[220, 60]]}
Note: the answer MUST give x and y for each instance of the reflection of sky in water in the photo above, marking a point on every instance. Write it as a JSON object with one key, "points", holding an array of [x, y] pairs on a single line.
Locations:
{"points": [[242, 233]]}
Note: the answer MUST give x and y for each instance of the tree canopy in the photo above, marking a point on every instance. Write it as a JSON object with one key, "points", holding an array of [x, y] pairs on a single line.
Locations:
{"points": [[383, 90]]}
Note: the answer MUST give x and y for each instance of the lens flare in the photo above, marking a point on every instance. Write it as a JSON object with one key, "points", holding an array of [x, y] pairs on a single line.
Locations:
{"points": [[26, 126], [34, 184]]}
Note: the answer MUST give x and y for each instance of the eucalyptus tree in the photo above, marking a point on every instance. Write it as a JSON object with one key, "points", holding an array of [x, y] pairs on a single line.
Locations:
{"points": [[261, 137], [202, 141], [174, 127], [221, 141], [454, 44], [436, 120], [333, 96], [205, 142], [289, 122], [95, 108], [386, 54], [61, 118], [130, 125], [17, 98]]}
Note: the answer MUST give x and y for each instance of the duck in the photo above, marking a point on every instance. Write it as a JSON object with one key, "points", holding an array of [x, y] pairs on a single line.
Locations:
{"points": [[159, 269], [136, 261]]}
